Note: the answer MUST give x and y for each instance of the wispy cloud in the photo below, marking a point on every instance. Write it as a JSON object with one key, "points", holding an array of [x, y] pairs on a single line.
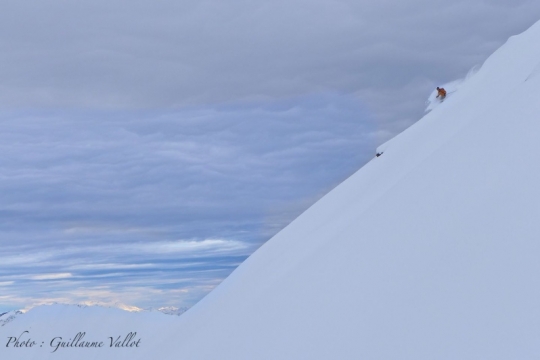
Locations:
{"points": [[51, 276]]}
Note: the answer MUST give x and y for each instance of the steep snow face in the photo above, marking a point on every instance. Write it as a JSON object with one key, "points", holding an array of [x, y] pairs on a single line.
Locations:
{"points": [[430, 251]]}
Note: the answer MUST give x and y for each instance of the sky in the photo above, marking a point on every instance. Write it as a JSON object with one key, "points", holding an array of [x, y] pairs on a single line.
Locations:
{"points": [[149, 147]]}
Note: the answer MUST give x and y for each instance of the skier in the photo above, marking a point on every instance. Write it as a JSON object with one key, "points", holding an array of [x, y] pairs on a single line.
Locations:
{"points": [[441, 93]]}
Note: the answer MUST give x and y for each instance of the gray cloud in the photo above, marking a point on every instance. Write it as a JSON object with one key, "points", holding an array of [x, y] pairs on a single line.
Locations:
{"points": [[167, 201], [118, 54]]}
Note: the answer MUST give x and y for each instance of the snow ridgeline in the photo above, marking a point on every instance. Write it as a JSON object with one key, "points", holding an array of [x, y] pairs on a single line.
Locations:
{"points": [[428, 252], [9, 316]]}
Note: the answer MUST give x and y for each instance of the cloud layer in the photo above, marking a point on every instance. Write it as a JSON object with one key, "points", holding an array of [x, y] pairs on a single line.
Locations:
{"points": [[118, 54], [168, 202]]}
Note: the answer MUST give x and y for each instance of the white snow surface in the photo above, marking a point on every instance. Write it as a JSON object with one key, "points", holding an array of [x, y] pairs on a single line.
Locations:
{"points": [[48, 325], [430, 251]]}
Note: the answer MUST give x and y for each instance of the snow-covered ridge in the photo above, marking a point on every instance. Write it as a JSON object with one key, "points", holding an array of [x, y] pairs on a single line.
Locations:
{"points": [[172, 310], [9, 316]]}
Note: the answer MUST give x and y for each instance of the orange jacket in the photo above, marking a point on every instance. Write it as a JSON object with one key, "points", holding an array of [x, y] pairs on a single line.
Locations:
{"points": [[441, 92]]}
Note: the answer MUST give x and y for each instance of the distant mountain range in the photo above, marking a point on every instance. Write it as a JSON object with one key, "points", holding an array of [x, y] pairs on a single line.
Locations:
{"points": [[9, 316]]}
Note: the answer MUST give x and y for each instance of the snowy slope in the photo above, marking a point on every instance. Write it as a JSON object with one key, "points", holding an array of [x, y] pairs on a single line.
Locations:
{"points": [[431, 251], [62, 331]]}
